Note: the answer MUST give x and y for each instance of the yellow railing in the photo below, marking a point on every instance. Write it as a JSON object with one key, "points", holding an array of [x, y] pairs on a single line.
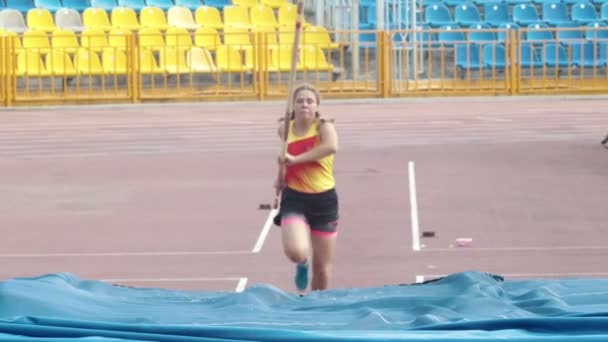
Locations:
{"points": [[184, 65]]}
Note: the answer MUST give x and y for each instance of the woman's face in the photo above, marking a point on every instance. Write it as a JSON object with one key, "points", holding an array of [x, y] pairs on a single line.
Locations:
{"points": [[305, 105]]}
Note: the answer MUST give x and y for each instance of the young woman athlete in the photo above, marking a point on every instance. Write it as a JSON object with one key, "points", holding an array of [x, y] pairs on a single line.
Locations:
{"points": [[308, 214]]}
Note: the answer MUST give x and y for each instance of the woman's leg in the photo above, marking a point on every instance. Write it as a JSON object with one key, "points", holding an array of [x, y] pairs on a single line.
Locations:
{"points": [[295, 236], [323, 249]]}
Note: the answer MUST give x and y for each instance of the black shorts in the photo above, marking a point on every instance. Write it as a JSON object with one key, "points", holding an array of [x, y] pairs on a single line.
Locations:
{"points": [[320, 209]]}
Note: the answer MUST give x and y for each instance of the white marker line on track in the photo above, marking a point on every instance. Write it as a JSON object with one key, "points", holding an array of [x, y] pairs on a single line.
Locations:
{"points": [[265, 229], [241, 285], [118, 254], [414, 208]]}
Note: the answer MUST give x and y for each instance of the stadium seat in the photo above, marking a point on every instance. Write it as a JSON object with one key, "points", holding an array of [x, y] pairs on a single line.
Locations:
{"points": [[219, 4], [192, 5], [153, 17], [30, 63], [98, 18], [481, 33], [597, 31], [604, 11], [173, 60], [69, 19], [94, 39], [496, 14], [59, 63], [467, 14], [555, 13], [40, 19], [117, 38], [148, 64], [20, 5], [237, 37], [437, 15], [114, 62], [229, 59], [208, 16], [124, 17], [106, 5], [207, 38], [539, 33], [584, 13], [36, 40], [245, 3], [274, 4], [603, 52], [493, 56], [313, 59], [554, 55], [49, 5], [178, 37], [200, 60], [65, 40], [136, 5], [150, 38], [585, 55], [468, 56], [318, 36], [262, 16], [280, 60], [162, 4], [448, 36], [181, 17], [86, 62], [525, 15], [236, 16], [528, 58], [286, 16], [77, 5], [12, 20], [569, 32], [504, 30]]}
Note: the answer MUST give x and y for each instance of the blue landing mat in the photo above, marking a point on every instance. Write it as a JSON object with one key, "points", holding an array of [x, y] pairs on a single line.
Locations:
{"points": [[468, 306]]}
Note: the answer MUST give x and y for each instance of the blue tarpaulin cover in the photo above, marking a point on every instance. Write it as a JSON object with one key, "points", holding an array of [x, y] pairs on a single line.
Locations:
{"points": [[467, 306]]}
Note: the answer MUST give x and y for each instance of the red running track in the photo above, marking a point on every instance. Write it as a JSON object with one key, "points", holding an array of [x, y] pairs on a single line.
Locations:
{"points": [[167, 195]]}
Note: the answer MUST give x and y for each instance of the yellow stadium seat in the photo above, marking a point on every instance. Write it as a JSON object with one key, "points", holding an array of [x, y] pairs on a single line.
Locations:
{"points": [[117, 38], [274, 4], [262, 17], [178, 37], [287, 16], [114, 62], [237, 37], [94, 39], [208, 16], [178, 16], [207, 38], [65, 40], [124, 17], [153, 17], [147, 63], [150, 38], [59, 63], [200, 60], [280, 59], [236, 16], [96, 18], [286, 36], [245, 3], [87, 63], [313, 58], [318, 36], [173, 61], [40, 19], [35, 40], [229, 59], [14, 42], [31, 63]]}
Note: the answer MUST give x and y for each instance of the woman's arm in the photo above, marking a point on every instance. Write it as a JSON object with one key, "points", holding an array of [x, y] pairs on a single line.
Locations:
{"points": [[327, 146]]}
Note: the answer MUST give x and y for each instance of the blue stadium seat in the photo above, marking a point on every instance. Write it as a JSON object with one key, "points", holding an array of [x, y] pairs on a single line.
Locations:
{"points": [[585, 55], [437, 15], [162, 4], [136, 5], [481, 33], [603, 11], [496, 13], [106, 5], [554, 55], [50, 5], [467, 14], [539, 33], [219, 4], [583, 13], [555, 13], [525, 15], [20, 5], [493, 56], [500, 36], [528, 58], [78, 5], [597, 31], [448, 36], [569, 32], [190, 4], [468, 56], [603, 52]]}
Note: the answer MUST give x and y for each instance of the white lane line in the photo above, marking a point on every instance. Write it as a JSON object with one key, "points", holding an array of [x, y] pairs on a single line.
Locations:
{"points": [[413, 208], [241, 285], [265, 229], [419, 279], [119, 254]]}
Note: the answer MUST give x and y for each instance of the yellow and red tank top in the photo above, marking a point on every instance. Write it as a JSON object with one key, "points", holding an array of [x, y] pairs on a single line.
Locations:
{"points": [[311, 177]]}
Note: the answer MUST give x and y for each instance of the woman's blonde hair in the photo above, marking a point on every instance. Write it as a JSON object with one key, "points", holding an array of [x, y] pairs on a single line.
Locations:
{"points": [[309, 87]]}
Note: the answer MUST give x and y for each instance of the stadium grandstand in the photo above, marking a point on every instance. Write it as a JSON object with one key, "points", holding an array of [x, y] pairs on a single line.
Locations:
{"points": [[142, 50]]}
